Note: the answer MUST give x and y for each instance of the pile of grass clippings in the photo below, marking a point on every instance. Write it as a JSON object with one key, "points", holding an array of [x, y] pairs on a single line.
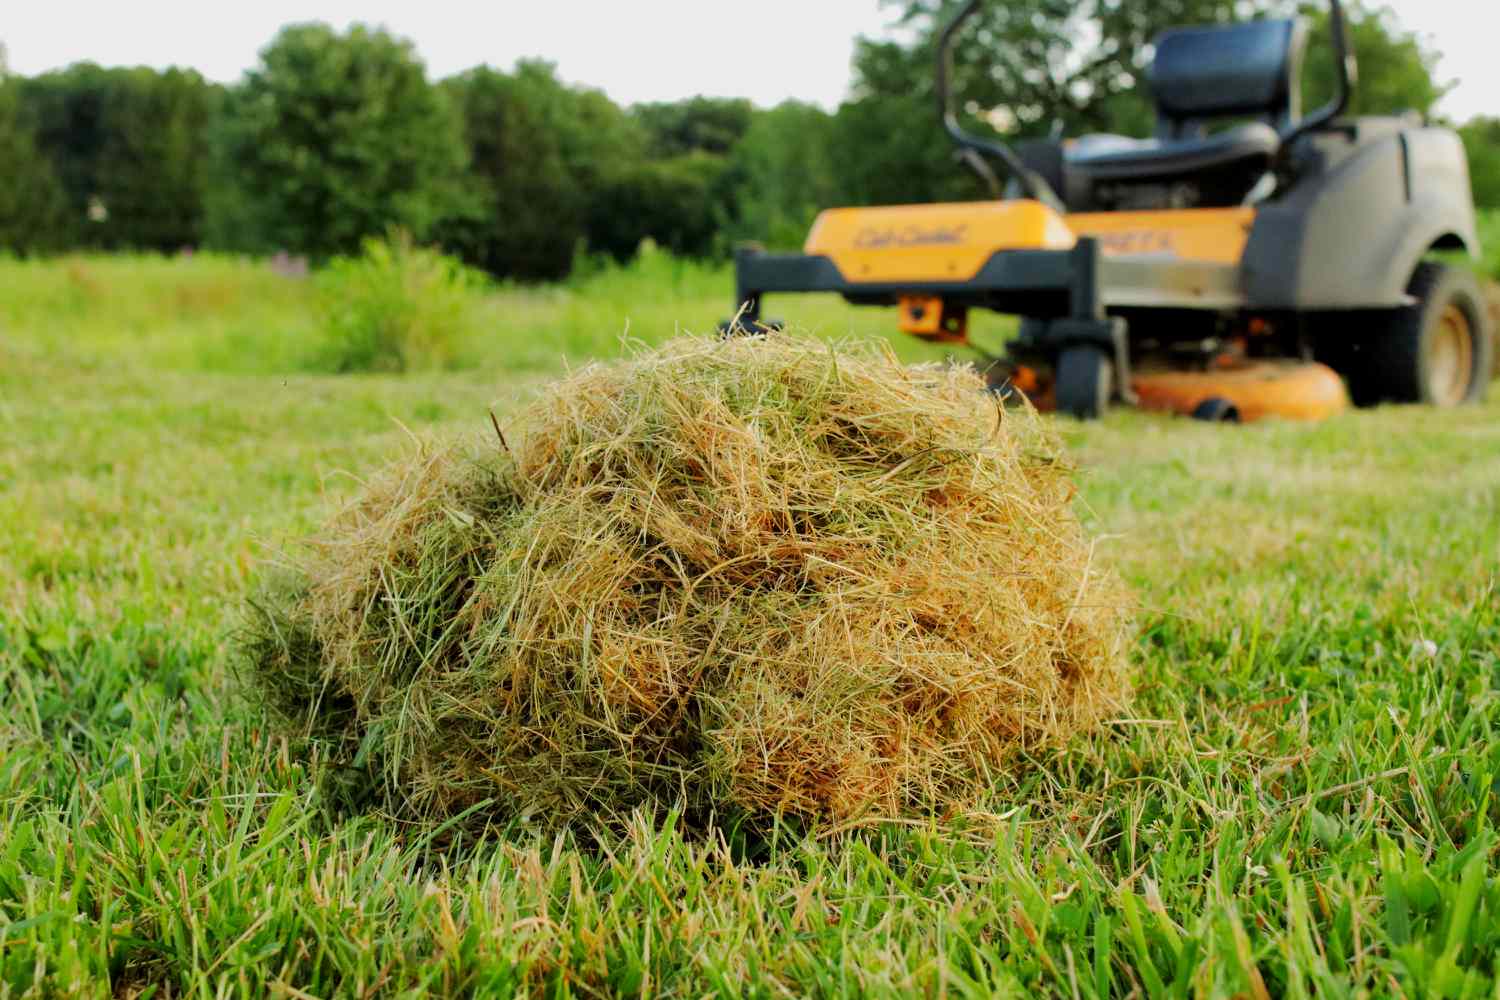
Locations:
{"points": [[761, 576]]}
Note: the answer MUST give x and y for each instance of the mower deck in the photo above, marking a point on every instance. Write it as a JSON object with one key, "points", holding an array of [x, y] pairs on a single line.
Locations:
{"points": [[1246, 391], [1239, 391]]}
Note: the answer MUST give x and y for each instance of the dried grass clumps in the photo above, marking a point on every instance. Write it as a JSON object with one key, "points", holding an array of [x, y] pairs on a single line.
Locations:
{"points": [[760, 575]]}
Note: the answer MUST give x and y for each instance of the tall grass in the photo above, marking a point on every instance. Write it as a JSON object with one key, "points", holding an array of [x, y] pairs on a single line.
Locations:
{"points": [[389, 310], [207, 312]]}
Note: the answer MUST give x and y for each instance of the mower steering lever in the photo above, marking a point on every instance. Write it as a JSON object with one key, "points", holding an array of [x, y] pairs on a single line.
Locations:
{"points": [[982, 167], [974, 148], [1347, 68]]}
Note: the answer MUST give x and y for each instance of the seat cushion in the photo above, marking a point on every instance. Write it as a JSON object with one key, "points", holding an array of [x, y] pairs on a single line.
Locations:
{"points": [[1224, 70], [1115, 158]]}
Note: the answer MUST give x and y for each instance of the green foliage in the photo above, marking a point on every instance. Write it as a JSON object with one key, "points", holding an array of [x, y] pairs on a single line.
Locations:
{"points": [[152, 159], [1051, 64], [558, 169], [905, 155], [65, 108], [529, 218], [696, 125], [204, 312], [1481, 138], [563, 168], [1047, 62], [396, 307], [892, 119], [233, 316], [333, 138], [129, 147], [594, 135], [679, 203], [783, 171], [1395, 69], [32, 205]]}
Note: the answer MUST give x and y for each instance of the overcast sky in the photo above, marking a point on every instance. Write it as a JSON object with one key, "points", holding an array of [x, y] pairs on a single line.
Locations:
{"points": [[646, 50]]}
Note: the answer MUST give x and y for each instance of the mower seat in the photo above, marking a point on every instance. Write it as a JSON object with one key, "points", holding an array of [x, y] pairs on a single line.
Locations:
{"points": [[1244, 74], [1113, 157]]}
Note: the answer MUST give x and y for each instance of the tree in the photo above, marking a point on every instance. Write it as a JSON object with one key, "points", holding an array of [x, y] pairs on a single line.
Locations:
{"points": [[783, 171], [892, 150], [1395, 70], [32, 206], [150, 172], [527, 221], [559, 168], [595, 136], [573, 158], [1073, 64], [1481, 138], [696, 125], [66, 107], [129, 147], [335, 137], [679, 203]]}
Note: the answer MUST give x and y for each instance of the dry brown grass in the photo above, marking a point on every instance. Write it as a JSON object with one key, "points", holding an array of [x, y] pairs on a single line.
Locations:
{"points": [[760, 575]]}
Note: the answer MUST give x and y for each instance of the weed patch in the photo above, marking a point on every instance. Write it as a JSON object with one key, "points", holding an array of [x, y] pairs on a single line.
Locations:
{"points": [[397, 307]]}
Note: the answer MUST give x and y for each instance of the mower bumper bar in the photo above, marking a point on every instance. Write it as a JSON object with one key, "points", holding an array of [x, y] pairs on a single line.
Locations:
{"points": [[1079, 283]]}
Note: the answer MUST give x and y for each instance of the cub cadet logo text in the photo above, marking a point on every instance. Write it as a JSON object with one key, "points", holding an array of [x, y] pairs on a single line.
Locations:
{"points": [[911, 236], [1138, 241]]}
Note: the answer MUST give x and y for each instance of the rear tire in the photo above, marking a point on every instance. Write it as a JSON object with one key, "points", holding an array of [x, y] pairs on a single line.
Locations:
{"points": [[1085, 381], [1436, 351]]}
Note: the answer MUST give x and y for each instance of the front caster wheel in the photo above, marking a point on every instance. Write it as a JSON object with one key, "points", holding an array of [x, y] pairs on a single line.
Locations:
{"points": [[1217, 410], [1085, 381]]}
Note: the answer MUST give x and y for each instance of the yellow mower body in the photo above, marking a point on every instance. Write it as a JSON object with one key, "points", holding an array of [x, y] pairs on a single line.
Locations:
{"points": [[952, 241], [913, 244]]}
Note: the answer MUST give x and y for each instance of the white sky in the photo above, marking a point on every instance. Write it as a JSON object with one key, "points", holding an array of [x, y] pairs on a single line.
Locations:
{"points": [[646, 50]]}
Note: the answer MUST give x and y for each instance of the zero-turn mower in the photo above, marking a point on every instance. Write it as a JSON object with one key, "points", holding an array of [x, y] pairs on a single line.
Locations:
{"points": [[1232, 267]]}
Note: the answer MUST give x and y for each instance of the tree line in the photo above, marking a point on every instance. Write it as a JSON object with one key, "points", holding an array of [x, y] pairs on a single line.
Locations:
{"points": [[335, 136]]}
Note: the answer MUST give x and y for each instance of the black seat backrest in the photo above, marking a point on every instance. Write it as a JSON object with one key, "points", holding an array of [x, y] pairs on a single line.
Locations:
{"points": [[1248, 70]]}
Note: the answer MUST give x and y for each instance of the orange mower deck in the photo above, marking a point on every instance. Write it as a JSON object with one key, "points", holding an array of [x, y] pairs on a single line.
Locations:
{"points": [[1291, 390]]}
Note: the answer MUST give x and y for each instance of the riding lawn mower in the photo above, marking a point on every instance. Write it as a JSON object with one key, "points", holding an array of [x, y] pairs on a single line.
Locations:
{"points": [[1246, 261]]}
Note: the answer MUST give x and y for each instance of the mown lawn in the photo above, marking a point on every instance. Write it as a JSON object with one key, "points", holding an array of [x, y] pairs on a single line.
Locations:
{"points": [[1302, 800]]}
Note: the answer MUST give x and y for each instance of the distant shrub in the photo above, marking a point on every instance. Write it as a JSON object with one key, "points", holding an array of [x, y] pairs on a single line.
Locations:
{"points": [[397, 307]]}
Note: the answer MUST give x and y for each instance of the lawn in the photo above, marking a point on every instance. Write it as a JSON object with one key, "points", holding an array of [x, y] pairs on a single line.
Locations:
{"points": [[1302, 800]]}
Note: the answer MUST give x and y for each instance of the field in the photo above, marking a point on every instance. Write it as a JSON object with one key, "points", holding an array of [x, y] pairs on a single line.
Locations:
{"points": [[1302, 801]]}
